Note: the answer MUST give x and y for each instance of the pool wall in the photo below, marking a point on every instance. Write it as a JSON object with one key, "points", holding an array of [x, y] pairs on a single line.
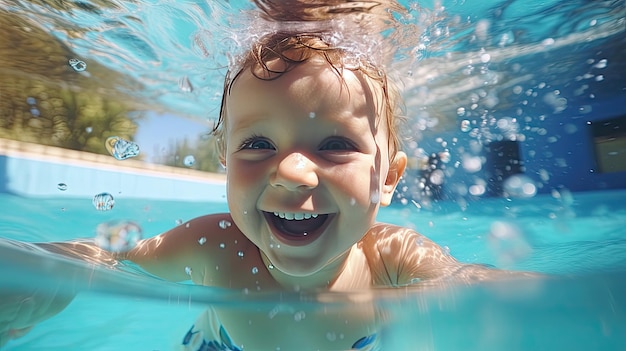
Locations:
{"points": [[33, 170], [558, 151]]}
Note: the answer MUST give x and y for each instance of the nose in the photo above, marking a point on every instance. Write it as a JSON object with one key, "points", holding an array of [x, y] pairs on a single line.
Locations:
{"points": [[295, 172]]}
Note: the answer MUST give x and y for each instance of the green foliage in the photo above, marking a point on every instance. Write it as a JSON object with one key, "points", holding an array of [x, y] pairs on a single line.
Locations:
{"points": [[43, 100]]}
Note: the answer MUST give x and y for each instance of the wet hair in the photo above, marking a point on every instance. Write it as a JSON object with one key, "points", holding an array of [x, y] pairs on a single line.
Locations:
{"points": [[296, 43]]}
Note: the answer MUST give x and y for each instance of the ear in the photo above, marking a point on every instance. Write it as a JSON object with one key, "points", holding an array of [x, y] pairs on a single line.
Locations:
{"points": [[396, 170]]}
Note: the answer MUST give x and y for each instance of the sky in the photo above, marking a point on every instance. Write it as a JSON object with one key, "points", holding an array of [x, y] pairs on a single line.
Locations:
{"points": [[157, 131]]}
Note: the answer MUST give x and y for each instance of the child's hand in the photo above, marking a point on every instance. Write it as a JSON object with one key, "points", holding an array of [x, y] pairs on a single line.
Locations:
{"points": [[19, 312]]}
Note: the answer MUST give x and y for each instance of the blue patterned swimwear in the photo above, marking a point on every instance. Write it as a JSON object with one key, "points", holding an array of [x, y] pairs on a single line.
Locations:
{"points": [[207, 334]]}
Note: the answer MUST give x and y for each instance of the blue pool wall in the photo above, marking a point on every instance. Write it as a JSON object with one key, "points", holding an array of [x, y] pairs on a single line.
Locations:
{"points": [[32, 170], [565, 152]]}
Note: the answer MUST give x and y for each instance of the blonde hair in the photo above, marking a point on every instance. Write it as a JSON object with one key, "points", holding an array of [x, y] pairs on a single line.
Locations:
{"points": [[294, 46]]}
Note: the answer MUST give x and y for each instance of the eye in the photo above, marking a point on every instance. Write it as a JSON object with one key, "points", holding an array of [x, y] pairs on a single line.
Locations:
{"points": [[337, 144], [257, 143]]}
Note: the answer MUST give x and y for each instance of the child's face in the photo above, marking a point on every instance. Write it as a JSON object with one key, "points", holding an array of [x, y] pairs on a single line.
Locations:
{"points": [[307, 163]]}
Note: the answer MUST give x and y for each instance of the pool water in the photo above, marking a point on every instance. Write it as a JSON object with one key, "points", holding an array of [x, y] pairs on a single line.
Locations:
{"points": [[580, 243], [535, 72]]}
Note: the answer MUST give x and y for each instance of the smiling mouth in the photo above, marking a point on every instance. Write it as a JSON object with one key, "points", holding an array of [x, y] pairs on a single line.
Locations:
{"points": [[292, 226]]}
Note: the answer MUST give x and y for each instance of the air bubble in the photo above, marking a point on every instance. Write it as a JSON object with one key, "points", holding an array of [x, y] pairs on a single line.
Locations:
{"points": [[202, 240], [298, 316], [255, 270], [466, 126], [189, 160], [508, 242], [77, 65], [222, 245], [224, 224], [188, 270], [31, 100], [601, 64], [121, 149], [240, 254], [117, 236], [179, 221], [331, 336], [311, 114], [519, 186], [62, 186], [103, 201]]}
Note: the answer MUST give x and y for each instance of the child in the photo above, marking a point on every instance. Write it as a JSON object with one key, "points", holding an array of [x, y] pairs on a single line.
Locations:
{"points": [[308, 134]]}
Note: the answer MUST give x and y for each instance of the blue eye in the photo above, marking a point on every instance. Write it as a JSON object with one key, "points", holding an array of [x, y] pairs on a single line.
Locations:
{"points": [[336, 144], [257, 143]]}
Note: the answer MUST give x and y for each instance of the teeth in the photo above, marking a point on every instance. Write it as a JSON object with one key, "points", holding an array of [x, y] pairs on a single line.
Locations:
{"points": [[295, 216]]}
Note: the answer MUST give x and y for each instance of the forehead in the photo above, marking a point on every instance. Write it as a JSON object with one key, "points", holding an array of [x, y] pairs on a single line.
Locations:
{"points": [[313, 85]]}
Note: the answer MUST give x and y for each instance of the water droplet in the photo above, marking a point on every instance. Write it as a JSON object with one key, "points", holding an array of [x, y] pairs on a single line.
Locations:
{"points": [[519, 186], [375, 197], [601, 64], [222, 245], [185, 85], [62, 186], [460, 111], [202, 240], [311, 114], [224, 224], [77, 65], [35, 112], [179, 221], [117, 236], [121, 149], [89, 130], [240, 254], [103, 201], [270, 266], [298, 316], [188, 271], [466, 126], [189, 160], [419, 241], [255, 270], [508, 242], [31, 100]]}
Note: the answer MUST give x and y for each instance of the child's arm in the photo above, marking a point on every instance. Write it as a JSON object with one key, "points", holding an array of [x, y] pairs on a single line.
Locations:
{"points": [[194, 244], [403, 256], [185, 251]]}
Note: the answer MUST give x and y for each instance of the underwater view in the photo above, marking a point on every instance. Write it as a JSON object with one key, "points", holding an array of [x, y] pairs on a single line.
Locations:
{"points": [[515, 142]]}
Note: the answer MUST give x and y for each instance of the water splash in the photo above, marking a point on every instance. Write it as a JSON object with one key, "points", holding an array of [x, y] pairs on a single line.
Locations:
{"points": [[121, 149], [77, 65], [103, 202]]}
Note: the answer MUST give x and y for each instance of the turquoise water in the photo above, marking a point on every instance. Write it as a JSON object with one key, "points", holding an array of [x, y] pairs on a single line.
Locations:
{"points": [[555, 65], [579, 242]]}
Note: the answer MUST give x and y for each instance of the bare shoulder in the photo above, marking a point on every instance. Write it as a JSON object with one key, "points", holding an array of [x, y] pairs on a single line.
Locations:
{"points": [[401, 256], [187, 250]]}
